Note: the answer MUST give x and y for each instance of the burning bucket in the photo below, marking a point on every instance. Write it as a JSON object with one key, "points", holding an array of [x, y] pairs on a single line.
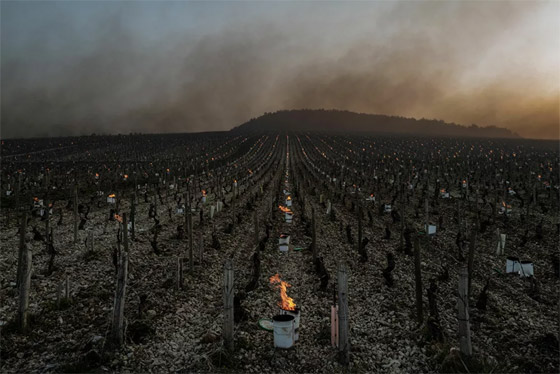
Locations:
{"points": [[283, 330], [296, 314], [289, 201]]}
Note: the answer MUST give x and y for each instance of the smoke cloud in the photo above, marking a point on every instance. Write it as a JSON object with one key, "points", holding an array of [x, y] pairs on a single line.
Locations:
{"points": [[123, 69]]}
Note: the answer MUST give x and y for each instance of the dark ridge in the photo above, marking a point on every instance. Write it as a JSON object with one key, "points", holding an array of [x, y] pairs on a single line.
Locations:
{"points": [[345, 121]]}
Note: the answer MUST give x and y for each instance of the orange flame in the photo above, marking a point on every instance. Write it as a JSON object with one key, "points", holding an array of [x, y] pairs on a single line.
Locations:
{"points": [[287, 302], [203, 192], [284, 209], [126, 176], [118, 218], [97, 175], [289, 198], [112, 195], [35, 199]]}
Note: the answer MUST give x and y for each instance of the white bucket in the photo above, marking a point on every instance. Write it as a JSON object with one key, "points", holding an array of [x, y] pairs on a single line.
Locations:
{"points": [[288, 202], [284, 242], [111, 200], [283, 330], [296, 313], [527, 269], [8, 193], [387, 208], [289, 217], [513, 265], [212, 209], [431, 229], [203, 199]]}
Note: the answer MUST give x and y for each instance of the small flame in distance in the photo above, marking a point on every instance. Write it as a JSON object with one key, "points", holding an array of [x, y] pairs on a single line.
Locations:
{"points": [[284, 209]]}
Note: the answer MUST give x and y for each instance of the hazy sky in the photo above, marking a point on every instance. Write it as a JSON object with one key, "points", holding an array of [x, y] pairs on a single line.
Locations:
{"points": [[77, 67]]}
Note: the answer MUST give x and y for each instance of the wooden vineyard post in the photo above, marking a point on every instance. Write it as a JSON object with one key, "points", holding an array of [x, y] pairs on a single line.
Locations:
{"points": [[117, 330], [90, 241], [463, 309], [314, 234], [179, 272], [256, 222], [403, 215], [133, 216], [75, 213], [18, 192], [228, 305], [191, 234], [125, 232], [200, 248], [471, 260], [21, 254], [343, 346], [418, 278], [24, 287], [360, 230], [427, 218], [67, 288]]}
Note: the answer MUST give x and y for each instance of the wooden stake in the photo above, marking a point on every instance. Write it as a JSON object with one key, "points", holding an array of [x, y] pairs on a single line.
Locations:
{"points": [[24, 287], [21, 254], [125, 232], [191, 234], [418, 278], [314, 235], [200, 248], [463, 309], [179, 272], [133, 217], [117, 330], [344, 345], [228, 305], [67, 288], [256, 222], [471, 259], [360, 234], [75, 213]]}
